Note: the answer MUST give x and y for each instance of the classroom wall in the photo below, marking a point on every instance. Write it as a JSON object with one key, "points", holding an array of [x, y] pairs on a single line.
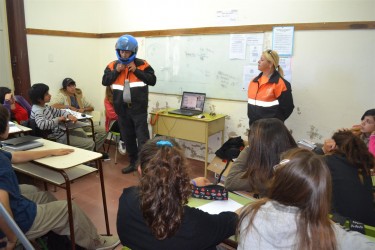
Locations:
{"points": [[329, 93], [6, 79]]}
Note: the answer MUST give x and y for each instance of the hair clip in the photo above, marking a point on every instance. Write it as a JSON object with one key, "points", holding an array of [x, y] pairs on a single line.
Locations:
{"points": [[281, 164], [164, 143]]}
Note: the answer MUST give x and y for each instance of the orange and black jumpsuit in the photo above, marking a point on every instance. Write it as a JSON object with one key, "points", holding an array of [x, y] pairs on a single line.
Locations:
{"points": [[132, 117], [272, 99]]}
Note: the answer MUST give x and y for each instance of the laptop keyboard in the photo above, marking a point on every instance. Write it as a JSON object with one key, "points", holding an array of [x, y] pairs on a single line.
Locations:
{"points": [[185, 112]]}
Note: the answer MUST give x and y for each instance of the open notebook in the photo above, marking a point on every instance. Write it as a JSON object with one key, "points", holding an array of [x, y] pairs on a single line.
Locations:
{"points": [[191, 104]]}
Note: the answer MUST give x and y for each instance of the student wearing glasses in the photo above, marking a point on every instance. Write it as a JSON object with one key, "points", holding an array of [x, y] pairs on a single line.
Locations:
{"points": [[269, 94], [295, 213]]}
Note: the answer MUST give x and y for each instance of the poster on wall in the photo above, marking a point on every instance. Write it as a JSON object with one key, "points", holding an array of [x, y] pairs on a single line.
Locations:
{"points": [[282, 40]]}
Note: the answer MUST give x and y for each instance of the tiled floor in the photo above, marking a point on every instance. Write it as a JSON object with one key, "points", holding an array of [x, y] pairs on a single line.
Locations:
{"points": [[86, 192]]}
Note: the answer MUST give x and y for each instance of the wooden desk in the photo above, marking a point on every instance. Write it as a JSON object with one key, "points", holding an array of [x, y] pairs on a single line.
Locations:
{"points": [[62, 170], [188, 128]]}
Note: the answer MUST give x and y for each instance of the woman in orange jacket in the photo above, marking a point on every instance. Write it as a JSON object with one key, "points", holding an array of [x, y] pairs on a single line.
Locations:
{"points": [[269, 94]]}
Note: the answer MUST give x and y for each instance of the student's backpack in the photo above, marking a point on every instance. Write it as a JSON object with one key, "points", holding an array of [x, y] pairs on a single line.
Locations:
{"points": [[229, 151]]}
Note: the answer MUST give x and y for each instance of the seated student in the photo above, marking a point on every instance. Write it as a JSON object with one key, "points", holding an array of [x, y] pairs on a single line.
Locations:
{"points": [[154, 215], [365, 131], [252, 170], [70, 97], [111, 116], [38, 212], [350, 163], [48, 118], [295, 214], [18, 107]]}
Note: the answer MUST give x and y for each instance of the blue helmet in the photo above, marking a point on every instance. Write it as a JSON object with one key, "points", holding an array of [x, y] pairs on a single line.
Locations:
{"points": [[126, 42]]}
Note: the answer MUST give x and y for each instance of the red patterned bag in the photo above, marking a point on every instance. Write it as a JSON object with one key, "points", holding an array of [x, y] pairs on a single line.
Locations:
{"points": [[210, 192]]}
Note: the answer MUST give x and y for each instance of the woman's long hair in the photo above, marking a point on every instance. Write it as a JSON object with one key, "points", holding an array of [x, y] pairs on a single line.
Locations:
{"points": [[354, 150], [165, 186], [268, 138], [303, 182]]}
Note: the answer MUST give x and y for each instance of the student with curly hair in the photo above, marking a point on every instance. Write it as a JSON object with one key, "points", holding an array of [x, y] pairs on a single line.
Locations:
{"points": [[252, 170], [295, 214], [155, 214]]}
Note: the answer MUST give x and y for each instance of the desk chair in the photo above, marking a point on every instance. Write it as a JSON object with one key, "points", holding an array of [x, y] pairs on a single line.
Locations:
{"points": [[14, 227], [114, 133], [37, 131]]}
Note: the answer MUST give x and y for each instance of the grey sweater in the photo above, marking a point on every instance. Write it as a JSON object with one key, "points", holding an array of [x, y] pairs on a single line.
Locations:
{"points": [[234, 180], [275, 227]]}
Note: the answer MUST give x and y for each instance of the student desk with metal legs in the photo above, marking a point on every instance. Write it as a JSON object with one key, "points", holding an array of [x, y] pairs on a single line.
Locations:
{"points": [[188, 128], [16, 129], [62, 170], [82, 122]]}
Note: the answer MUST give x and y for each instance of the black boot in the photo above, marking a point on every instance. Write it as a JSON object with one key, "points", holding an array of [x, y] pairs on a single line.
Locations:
{"points": [[129, 169]]}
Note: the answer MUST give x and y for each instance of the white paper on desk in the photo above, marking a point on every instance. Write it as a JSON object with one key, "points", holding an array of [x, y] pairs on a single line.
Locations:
{"points": [[14, 129], [216, 207], [78, 115]]}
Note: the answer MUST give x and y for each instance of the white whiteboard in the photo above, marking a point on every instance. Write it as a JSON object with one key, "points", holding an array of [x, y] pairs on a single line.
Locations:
{"points": [[196, 63]]}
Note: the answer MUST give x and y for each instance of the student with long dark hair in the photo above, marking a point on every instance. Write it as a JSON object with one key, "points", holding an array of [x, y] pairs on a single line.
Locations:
{"points": [[350, 163], [252, 170], [295, 213], [154, 215]]}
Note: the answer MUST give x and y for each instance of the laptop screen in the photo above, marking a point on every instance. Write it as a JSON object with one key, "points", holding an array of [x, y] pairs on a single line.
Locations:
{"points": [[193, 101]]}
